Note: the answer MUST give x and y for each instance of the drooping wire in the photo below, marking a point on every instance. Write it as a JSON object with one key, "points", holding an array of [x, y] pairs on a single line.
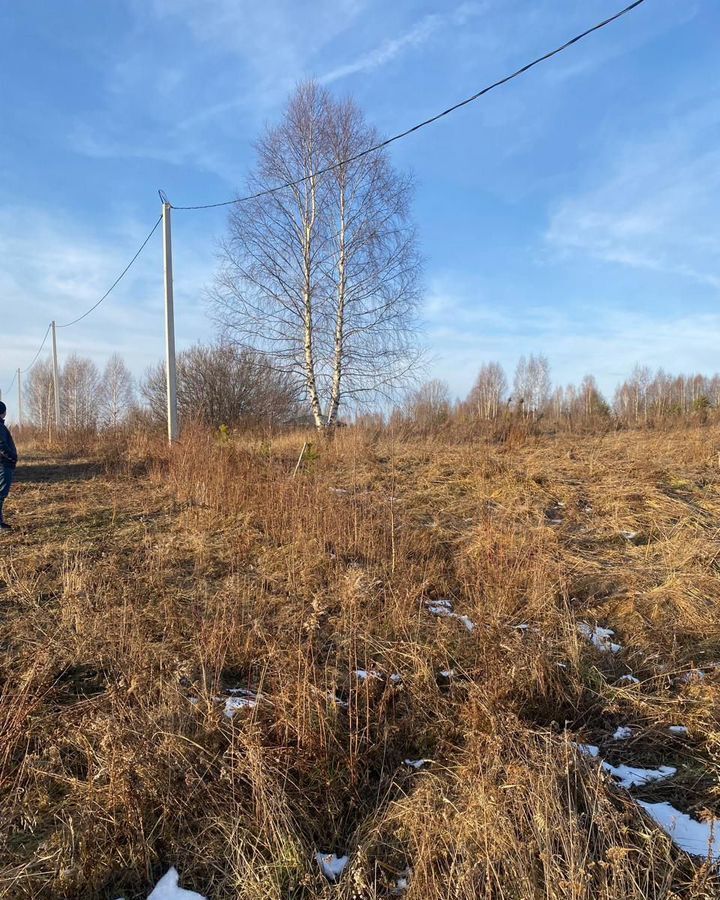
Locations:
{"points": [[40, 350], [429, 121], [117, 280]]}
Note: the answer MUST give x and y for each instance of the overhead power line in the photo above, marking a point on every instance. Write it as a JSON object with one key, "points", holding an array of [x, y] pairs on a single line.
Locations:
{"points": [[116, 282], [93, 307], [440, 115], [40, 350]]}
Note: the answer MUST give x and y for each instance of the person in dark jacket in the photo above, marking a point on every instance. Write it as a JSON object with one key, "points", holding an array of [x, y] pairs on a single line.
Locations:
{"points": [[8, 461]]}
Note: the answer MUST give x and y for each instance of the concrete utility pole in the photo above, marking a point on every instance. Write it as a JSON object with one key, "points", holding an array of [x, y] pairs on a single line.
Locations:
{"points": [[56, 380], [19, 376], [169, 325]]}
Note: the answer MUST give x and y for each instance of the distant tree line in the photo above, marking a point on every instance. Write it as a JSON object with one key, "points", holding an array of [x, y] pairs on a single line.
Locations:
{"points": [[644, 398], [218, 384], [222, 384]]}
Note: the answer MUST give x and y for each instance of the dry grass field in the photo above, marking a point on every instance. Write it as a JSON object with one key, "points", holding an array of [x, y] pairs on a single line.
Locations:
{"points": [[212, 664]]}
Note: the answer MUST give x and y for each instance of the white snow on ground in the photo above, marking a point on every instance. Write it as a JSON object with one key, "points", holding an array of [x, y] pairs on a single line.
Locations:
{"points": [[633, 776], [444, 609], [440, 608], [522, 627], [241, 699], [396, 678], [678, 729], [402, 882], [628, 679], [470, 625], [629, 535], [417, 763], [364, 675], [599, 637], [447, 673], [168, 889], [233, 704], [695, 838], [692, 675], [331, 866], [587, 749], [628, 776], [622, 733]]}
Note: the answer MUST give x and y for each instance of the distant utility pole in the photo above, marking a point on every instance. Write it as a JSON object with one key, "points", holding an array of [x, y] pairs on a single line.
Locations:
{"points": [[19, 376], [169, 324], [56, 380]]}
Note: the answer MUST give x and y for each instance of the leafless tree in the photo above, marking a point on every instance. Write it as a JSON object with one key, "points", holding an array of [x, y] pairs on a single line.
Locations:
{"points": [[117, 392], [39, 395], [489, 391], [79, 393], [223, 384], [429, 404], [322, 278], [531, 384]]}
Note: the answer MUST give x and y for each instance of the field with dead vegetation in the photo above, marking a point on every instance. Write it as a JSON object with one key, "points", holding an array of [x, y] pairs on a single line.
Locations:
{"points": [[396, 656]]}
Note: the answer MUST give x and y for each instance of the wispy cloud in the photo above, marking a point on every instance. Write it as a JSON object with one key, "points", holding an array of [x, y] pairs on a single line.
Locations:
{"points": [[654, 205], [55, 269], [416, 36], [465, 331]]}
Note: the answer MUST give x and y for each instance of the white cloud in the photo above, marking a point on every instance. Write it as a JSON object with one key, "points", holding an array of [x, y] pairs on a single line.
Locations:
{"points": [[56, 269], [465, 329], [654, 205], [417, 35]]}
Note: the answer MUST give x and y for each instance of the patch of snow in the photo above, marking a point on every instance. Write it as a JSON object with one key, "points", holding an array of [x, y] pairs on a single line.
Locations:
{"points": [[168, 888], [232, 704], [622, 733], [402, 882], [467, 622], [695, 838], [692, 675], [331, 866], [444, 609], [364, 675], [561, 665], [587, 749], [678, 729], [627, 776], [447, 673], [417, 763], [555, 521], [396, 678], [338, 701], [633, 776], [599, 637], [523, 627], [439, 607], [628, 679], [629, 535]]}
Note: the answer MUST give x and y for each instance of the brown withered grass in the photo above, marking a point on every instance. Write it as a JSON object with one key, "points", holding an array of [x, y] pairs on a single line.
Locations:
{"points": [[140, 585]]}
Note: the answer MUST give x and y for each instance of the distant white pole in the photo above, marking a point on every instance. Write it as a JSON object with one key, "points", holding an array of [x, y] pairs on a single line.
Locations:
{"points": [[169, 328], [56, 380], [19, 376]]}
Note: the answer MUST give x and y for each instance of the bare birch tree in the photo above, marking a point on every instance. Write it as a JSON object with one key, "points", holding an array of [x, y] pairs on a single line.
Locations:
{"points": [[116, 393], [322, 277], [79, 393], [39, 395], [489, 390]]}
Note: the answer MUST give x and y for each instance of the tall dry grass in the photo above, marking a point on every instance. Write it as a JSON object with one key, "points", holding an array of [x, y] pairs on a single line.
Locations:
{"points": [[149, 583]]}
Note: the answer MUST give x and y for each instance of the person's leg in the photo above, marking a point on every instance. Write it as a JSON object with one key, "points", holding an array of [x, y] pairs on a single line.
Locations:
{"points": [[6, 476]]}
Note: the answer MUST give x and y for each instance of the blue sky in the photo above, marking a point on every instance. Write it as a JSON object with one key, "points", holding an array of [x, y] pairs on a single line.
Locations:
{"points": [[573, 212]]}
